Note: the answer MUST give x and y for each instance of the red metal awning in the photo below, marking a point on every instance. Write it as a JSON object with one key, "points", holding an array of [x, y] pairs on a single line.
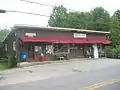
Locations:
{"points": [[64, 40], [72, 40], [97, 41], [38, 39]]}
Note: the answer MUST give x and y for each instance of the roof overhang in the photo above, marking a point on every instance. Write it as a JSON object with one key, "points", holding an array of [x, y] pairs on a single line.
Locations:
{"points": [[65, 40], [58, 28]]}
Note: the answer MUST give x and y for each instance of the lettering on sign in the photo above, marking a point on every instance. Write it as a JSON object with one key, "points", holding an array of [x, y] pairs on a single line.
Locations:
{"points": [[79, 35], [30, 34]]}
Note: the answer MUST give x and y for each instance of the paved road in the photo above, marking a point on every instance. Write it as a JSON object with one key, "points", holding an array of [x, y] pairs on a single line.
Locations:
{"points": [[76, 81], [114, 86]]}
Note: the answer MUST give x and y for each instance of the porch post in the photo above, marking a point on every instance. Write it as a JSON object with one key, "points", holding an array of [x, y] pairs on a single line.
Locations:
{"points": [[95, 51], [34, 54], [68, 48], [16, 47]]}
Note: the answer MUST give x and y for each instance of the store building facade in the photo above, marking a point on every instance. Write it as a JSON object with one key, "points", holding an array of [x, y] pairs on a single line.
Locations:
{"points": [[29, 43]]}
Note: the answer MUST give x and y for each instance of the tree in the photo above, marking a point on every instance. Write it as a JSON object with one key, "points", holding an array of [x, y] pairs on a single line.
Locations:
{"points": [[115, 29], [3, 34], [117, 14], [115, 34], [81, 20], [58, 17], [116, 18], [101, 19], [97, 19]]}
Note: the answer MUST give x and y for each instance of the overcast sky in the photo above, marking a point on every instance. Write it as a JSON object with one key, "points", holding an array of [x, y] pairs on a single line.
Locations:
{"points": [[9, 19]]}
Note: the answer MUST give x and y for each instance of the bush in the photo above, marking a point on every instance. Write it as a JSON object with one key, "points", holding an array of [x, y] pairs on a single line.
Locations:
{"points": [[9, 61], [3, 60], [4, 66], [12, 61], [113, 52]]}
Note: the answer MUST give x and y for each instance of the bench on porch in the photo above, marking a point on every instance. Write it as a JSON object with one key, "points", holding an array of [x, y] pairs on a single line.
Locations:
{"points": [[61, 56]]}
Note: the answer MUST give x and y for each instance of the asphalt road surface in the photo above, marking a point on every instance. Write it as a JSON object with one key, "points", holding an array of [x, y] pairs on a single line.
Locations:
{"points": [[102, 79], [114, 86]]}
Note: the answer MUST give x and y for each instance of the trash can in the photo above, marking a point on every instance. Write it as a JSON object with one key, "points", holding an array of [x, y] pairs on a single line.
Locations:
{"points": [[23, 56]]}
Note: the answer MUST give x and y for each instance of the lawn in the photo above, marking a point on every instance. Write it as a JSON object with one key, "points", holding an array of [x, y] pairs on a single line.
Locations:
{"points": [[3, 66]]}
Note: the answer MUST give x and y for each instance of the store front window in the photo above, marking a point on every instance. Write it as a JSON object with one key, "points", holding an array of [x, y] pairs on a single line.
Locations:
{"points": [[61, 48]]}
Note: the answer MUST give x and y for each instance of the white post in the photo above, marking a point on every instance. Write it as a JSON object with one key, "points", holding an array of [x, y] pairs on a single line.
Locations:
{"points": [[68, 48], [95, 51]]}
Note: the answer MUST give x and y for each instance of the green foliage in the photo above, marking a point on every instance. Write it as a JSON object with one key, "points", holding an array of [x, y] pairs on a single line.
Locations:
{"points": [[3, 34], [9, 61], [58, 16], [113, 52], [3, 66], [101, 19], [97, 19], [115, 30], [4, 63], [81, 20], [115, 36], [12, 61], [117, 14]]}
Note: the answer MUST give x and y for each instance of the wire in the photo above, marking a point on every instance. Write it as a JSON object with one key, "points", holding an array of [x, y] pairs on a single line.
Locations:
{"points": [[27, 13], [43, 4], [37, 3]]}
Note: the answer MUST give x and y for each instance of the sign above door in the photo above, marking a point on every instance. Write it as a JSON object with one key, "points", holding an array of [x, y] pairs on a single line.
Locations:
{"points": [[79, 35]]}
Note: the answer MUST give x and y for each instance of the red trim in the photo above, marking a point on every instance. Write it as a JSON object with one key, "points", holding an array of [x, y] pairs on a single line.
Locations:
{"points": [[97, 41], [38, 39], [65, 40]]}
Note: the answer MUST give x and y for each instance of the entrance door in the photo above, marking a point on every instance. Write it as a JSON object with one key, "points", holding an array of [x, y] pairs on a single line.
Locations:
{"points": [[31, 53], [79, 51], [76, 51], [38, 51]]}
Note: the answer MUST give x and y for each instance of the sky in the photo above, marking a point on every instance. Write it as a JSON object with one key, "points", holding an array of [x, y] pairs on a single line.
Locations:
{"points": [[8, 19]]}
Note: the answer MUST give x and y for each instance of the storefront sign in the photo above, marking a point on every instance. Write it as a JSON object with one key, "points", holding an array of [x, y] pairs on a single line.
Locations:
{"points": [[30, 34], [79, 35]]}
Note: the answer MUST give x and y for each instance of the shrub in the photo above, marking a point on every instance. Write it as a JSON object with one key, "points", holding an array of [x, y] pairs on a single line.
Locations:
{"points": [[113, 52], [12, 61]]}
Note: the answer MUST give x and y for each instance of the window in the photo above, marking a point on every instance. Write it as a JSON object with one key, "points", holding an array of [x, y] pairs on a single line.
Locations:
{"points": [[61, 48], [5, 47]]}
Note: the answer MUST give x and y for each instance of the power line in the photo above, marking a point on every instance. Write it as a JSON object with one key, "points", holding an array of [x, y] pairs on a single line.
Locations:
{"points": [[27, 13], [42, 4], [37, 3]]}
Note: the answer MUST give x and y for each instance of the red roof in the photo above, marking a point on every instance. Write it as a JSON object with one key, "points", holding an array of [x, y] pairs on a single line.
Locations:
{"points": [[38, 39], [103, 41], [64, 40]]}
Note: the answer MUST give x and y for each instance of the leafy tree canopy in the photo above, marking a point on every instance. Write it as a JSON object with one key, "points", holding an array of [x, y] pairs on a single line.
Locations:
{"points": [[3, 34], [97, 19]]}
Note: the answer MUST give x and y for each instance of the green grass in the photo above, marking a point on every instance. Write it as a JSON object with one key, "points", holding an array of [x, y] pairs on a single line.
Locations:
{"points": [[3, 66]]}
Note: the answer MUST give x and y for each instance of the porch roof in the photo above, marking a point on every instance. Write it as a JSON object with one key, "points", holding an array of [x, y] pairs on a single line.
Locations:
{"points": [[65, 40]]}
